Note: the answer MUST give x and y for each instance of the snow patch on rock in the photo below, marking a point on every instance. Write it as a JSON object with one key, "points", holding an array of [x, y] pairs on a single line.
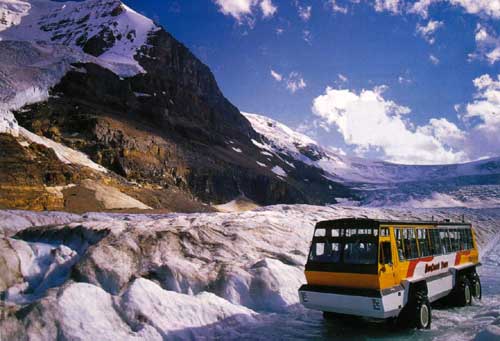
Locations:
{"points": [[279, 171], [65, 154]]}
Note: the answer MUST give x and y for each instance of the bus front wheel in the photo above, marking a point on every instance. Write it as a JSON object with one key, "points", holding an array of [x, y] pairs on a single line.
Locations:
{"points": [[423, 312]]}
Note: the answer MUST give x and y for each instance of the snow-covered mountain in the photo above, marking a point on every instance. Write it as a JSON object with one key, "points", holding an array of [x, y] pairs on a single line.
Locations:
{"points": [[474, 184], [107, 89], [41, 38], [284, 140], [106, 29]]}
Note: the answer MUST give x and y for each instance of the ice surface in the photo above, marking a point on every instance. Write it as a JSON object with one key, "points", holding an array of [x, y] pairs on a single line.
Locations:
{"points": [[218, 275], [87, 313], [176, 315], [12, 221]]}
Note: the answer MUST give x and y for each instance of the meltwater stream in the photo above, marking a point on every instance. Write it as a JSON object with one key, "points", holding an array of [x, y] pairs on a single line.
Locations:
{"points": [[480, 321]]}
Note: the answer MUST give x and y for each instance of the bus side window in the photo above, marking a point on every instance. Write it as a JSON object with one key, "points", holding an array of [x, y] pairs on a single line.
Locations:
{"points": [[411, 250], [385, 253], [445, 241], [435, 242], [468, 238], [399, 242], [423, 242], [458, 240]]}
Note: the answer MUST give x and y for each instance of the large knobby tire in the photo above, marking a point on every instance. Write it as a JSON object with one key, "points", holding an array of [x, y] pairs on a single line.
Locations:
{"points": [[463, 292], [477, 291], [422, 317]]}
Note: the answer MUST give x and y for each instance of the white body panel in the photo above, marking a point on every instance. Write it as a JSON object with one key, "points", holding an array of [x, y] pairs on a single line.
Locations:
{"points": [[376, 307], [440, 287]]}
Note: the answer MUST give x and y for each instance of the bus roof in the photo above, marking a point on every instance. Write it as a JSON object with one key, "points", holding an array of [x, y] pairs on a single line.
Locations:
{"points": [[367, 222]]}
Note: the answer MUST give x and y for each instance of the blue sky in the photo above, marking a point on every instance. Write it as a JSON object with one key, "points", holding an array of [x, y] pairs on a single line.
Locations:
{"points": [[400, 74]]}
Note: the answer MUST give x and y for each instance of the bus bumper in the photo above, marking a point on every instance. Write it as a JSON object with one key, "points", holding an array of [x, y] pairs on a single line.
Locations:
{"points": [[351, 301]]}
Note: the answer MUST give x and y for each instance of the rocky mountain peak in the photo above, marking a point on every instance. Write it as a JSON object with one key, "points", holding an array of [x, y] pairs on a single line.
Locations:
{"points": [[106, 29]]}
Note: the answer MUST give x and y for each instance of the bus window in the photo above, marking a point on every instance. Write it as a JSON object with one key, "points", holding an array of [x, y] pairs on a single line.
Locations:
{"points": [[336, 232], [454, 239], [384, 232], [445, 241], [360, 252], [435, 242], [320, 233], [423, 242], [385, 253], [410, 243], [351, 232], [466, 238], [325, 252], [400, 243]]}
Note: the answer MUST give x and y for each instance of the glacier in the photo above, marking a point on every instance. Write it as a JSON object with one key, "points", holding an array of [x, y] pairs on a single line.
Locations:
{"points": [[201, 275]]}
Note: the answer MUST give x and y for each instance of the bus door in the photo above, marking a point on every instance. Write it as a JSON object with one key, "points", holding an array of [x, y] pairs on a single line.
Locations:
{"points": [[387, 272]]}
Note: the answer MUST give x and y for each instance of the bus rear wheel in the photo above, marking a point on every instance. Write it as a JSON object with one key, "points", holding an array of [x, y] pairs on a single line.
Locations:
{"points": [[463, 292], [476, 287], [423, 312]]}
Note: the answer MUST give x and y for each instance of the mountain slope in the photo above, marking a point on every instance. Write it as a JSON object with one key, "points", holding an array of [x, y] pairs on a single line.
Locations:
{"points": [[108, 82]]}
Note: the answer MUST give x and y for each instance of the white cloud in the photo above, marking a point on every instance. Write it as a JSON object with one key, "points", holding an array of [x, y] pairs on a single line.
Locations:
{"points": [[488, 45], [427, 31], [490, 8], [421, 7], [444, 131], [336, 7], [305, 12], [392, 6], [295, 82], [484, 113], [484, 7], [434, 60], [279, 31], [369, 122], [244, 10], [268, 9], [277, 77], [342, 78]]}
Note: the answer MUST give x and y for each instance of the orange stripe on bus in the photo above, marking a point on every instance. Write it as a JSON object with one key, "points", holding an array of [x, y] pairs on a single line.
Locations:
{"points": [[413, 265]]}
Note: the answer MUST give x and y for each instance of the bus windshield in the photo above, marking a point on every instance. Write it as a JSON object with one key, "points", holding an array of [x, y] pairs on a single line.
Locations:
{"points": [[345, 245]]}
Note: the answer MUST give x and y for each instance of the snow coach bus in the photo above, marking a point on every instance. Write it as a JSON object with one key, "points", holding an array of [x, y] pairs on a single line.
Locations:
{"points": [[390, 269]]}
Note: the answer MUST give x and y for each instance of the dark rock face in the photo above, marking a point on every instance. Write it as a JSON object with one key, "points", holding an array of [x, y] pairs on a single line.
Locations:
{"points": [[99, 43], [170, 127]]}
